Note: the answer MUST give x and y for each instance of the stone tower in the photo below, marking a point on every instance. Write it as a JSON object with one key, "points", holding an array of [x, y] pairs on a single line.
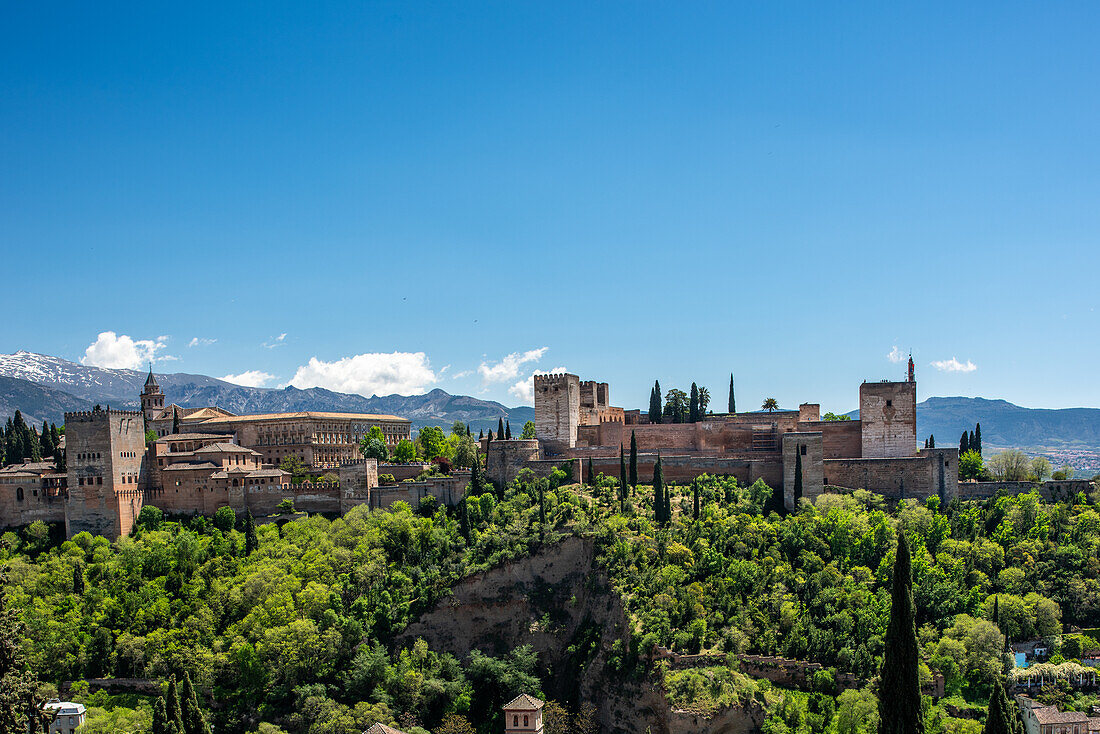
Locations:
{"points": [[152, 398], [888, 418], [557, 411], [523, 715], [912, 372], [105, 456]]}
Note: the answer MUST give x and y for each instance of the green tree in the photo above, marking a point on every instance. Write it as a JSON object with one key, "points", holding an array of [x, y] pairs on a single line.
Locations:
{"points": [[971, 466], [173, 709], [528, 431], [500, 427], [293, 465], [976, 444], [432, 442], [194, 722], [372, 448], [732, 406], [659, 493], [508, 430], [1040, 468], [964, 444], [251, 539], [150, 517], [622, 479], [1001, 717], [693, 404], [150, 436], [1011, 465], [458, 428], [830, 416], [405, 451], [19, 700], [225, 519], [931, 440], [655, 403], [633, 460], [455, 724], [676, 406], [899, 701], [465, 452], [590, 473], [770, 404], [175, 421], [695, 499]]}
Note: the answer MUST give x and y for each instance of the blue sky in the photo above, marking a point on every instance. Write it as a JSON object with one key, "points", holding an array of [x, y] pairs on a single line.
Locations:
{"points": [[406, 194]]}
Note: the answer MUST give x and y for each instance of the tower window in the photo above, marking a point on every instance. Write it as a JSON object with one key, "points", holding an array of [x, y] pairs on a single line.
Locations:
{"points": [[889, 403], [802, 448]]}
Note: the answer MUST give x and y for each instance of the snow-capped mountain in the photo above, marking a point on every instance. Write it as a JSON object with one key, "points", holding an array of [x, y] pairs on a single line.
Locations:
{"points": [[121, 388]]}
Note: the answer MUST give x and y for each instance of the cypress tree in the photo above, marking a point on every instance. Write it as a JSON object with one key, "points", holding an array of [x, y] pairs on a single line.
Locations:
{"points": [[591, 474], [693, 404], [659, 492], [193, 720], [633, 460], [622, 479], [797, 475], [899, 702], [475, 478], [78, 580], [175, 421], [490, 434], [508, 430], [463, 520], [160, 718], [481, 434], [732, 402], [964, 444], [931, 440], [970, 442], [977, 440], [172, 707], [45, 438], [695, 499], [468, 433], [655, 403], [500, 428], [1001, 718], [542, 503], [251, 540]]}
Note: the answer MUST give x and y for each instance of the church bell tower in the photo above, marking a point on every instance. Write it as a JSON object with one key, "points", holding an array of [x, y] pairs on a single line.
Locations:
{"points": [[152, 398]]}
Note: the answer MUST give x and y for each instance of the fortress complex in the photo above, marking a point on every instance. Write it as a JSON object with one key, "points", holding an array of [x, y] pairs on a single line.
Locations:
{"points": [[879, 451], [321, 440]]}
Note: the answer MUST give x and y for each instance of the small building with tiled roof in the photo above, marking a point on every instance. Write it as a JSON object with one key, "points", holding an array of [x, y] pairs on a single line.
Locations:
{"points": [[383, 729], [30, 491], [1042, 719], [523, 715]]}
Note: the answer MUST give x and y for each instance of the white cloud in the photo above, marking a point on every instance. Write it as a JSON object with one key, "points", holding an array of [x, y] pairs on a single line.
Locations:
{"points": [[405, 373], [250, 378], [524, 390], [198, 341], [276, 341], [115, 351], [954, 365], [508, 368], [896, 355]]}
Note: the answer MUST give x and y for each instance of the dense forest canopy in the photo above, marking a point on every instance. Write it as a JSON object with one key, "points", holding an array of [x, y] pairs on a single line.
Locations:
{"points": [[297, 634]]}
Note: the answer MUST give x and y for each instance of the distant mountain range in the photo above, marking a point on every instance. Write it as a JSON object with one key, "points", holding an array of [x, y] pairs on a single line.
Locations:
{"points": [[44, 387]]}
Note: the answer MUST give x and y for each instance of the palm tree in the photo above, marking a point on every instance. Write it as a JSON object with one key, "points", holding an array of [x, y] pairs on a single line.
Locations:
{"points": [[770, 404], [704, 400]]}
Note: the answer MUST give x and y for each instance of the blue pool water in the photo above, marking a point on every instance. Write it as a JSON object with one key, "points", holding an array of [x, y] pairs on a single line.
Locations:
{"points": [[1021, 660]]}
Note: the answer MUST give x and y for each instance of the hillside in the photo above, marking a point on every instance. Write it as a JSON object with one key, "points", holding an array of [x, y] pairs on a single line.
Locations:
{"points": [[61, 382], [36, 402]]}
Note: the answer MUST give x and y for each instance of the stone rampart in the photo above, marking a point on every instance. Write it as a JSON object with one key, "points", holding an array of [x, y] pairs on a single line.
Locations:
{"points": [[1054, 490]]}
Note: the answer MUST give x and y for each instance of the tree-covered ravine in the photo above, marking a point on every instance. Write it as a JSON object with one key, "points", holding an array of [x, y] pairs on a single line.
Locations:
{"points": [[300, 635]]}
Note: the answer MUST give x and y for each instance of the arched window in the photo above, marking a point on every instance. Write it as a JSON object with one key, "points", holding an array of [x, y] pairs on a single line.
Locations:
{"points": [[525, 719], [515, 720], [19, 493]]}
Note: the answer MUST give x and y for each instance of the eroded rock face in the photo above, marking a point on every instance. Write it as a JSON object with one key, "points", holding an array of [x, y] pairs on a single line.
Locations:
{"points": [[553, 600]]}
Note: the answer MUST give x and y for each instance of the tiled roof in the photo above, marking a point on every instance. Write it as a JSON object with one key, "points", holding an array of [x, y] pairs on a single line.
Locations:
{"points": [[189, 437], [523, 702], [383, 729], [187, 466], [1051, 715], [33, 467], [305, 415], [225, 448]]}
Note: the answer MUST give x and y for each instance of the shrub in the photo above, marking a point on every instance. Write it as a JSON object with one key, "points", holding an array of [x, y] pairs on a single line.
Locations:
{"points": [[224, 519]]}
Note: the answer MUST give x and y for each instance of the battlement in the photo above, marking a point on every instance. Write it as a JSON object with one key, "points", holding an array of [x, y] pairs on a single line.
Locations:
{"points": [[551, 379], [101, 414]]}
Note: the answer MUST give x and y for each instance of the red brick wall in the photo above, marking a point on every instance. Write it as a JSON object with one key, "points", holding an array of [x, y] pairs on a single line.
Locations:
{"points": [[841, 439]]}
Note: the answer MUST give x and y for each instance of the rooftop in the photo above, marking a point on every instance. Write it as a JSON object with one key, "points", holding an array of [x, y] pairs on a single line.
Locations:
{"points": [[304, 415], [523, 702], [383, 729], [64, 708], [189, 437], [1051, 715]]}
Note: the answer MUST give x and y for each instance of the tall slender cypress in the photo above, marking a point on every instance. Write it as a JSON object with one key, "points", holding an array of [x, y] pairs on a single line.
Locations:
{"points": [[633, 460], [659, 492], [732, 403], [655, 403], [1001, 717], [172, 706], [695, 499], [251, 540], [977, 440], [175, 421], [500, 427], [193, 720], [160, 718], [622, 479], [693, 404], [970, 442], [964, 444], [590, 473], [508, 430], [931, 440], [899, 697]]}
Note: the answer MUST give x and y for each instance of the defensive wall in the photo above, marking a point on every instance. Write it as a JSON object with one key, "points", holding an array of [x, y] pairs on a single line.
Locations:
{"points": [[1054, 490], [930, 472]]}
